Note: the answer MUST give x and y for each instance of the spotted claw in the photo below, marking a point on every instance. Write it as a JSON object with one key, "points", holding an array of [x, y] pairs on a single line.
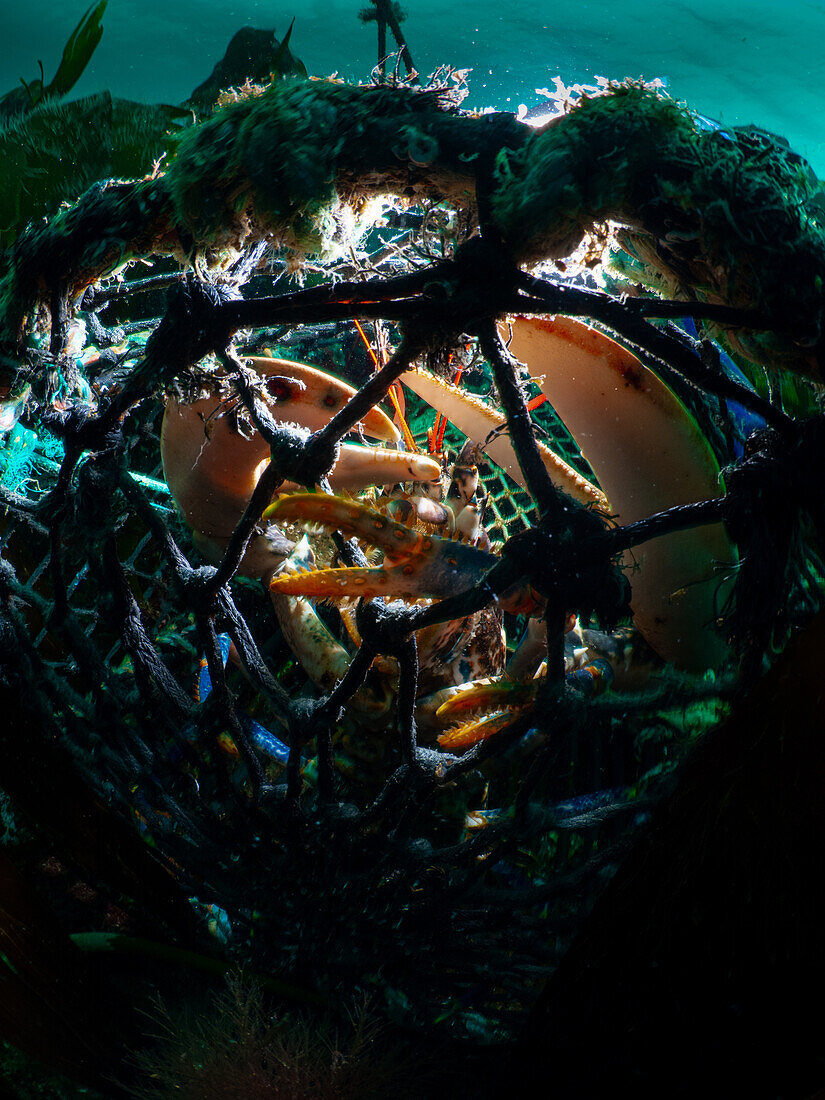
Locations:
{"points": [[415, 565], [465, 736], [487, 696]]}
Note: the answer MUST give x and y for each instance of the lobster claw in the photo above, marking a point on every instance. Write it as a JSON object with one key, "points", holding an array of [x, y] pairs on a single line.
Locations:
{"points": [[415, 565], [212, 469]]}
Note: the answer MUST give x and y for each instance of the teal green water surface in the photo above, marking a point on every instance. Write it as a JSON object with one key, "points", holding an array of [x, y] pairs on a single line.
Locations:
{"points": [[758, 62]]}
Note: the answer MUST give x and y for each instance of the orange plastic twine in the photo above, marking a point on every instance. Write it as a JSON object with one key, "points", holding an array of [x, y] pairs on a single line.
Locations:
{"points": [[435, 437], [393, 395]]}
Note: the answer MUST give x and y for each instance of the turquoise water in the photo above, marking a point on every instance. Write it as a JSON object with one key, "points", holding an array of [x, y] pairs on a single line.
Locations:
{"points": [[759, 62]]}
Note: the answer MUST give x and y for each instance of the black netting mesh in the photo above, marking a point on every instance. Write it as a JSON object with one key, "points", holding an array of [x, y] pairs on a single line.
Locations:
{"points": [[452, 883]]}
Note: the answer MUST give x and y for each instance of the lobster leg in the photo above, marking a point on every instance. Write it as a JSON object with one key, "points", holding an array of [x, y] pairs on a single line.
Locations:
{"points": [[478, 420]]}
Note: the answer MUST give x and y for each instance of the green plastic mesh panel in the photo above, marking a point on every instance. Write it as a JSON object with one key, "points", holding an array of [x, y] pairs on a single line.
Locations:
{"points": [[511, 507]]}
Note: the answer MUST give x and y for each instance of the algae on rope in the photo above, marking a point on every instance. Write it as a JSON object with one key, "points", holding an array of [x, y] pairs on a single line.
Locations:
{"points": [[730, 217]]}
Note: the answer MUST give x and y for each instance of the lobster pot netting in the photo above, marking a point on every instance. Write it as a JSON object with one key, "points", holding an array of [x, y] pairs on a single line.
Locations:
{"points": [[312, 842]]}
